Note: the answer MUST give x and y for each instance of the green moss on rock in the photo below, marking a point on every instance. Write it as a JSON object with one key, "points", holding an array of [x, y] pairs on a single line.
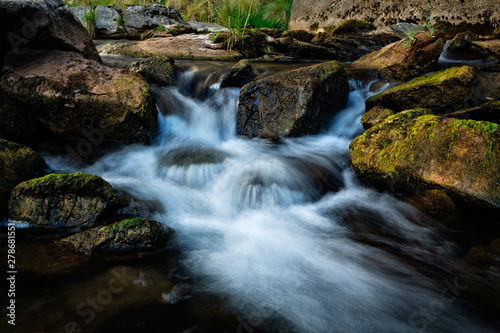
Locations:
{"points": [[439, 92], [127, 235], [353, 26], [59, 200], [414, 153]]}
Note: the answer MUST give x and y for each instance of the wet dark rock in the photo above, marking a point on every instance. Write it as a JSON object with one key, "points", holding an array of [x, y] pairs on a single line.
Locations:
{"points": [[17, 164], [436, 203], [300, 35], [158, 69], [124, 236], [74, 98], [489, 111], [411, 153], [293, 103], [274, 33], [42, 25], [63, 200], [239, 75], [463, 47]]}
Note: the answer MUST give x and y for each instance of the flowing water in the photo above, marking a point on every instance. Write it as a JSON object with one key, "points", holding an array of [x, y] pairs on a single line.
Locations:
{"points": [[255, 227]]}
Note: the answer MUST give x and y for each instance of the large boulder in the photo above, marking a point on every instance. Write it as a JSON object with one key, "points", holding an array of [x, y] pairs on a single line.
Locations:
{"points": [[17, 164], [109, 21], [140, 18], [476, 15], [402, 61], [42, 25], [72, 97], [450, 90], [411, 153], [293, 103], [127, 235], [64, 200]]}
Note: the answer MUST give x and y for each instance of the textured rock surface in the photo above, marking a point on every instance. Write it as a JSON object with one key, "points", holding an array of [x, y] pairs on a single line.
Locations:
{"points": [[159, 70], [17, 164], [42, 25], [107, 23], [63, 200], [401, 61], [127, 235], [70, 96], [375, 116], [478, 15], [440, 92], [239, 75], [412, 153], [293, 103], [140, 18]]}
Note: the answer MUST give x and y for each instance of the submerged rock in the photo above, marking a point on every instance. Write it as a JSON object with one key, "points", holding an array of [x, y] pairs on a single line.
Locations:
{"points": [[411, 153], [440, 92], [63, 200], [293, 103], [127, 235], [186, 156], [42, 25], [402, 61], [17, 164], [436, 203], [75, 98]]}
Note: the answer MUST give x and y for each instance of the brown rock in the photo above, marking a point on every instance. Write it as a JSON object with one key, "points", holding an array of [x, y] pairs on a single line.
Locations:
{"points": [[437, 204], [375, 116], [401, 61], [73, 97]]}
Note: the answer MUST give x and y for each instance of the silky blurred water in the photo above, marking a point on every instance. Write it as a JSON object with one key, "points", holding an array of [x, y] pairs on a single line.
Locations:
{"points": [[256, 228]]}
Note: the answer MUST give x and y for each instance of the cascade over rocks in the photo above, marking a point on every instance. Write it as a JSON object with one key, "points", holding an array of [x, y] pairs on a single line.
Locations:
{"points": [[293, 103], [72, 97], [42, 25], [410, 153], [17, 164], [64, 200]]}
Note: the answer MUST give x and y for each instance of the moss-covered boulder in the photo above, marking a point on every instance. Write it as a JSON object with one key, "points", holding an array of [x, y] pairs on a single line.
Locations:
{"points": [[137, 234], [64, 200], [411, 153], [301, 35], [158, 69], [72, 97], [375, 116], [440, 92], [293, 103], [402, 61], [17, 164]]}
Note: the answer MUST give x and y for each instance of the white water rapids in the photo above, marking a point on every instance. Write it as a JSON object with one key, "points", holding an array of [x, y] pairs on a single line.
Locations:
{"points": [[255, 229]]}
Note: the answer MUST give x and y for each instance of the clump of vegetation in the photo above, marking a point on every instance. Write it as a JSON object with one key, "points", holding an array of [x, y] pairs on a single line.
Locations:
{"points": [[431, 24], [90, 19], [353, 26], [409, 39], [229, 13]]}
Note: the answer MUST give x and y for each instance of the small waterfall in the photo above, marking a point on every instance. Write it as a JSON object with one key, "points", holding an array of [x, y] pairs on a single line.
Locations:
{"points": [[256, 228]]}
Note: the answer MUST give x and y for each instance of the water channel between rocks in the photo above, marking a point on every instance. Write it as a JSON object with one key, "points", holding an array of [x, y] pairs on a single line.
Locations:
{"points": [[257, 238]]}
